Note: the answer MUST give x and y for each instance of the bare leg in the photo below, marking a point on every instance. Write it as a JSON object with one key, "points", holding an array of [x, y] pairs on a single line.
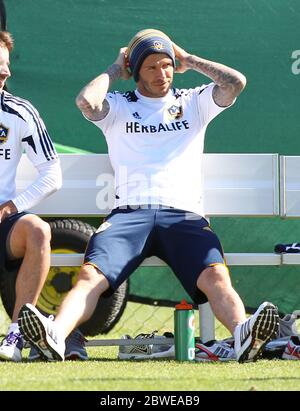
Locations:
{"points": [[30, 240], [225, 302], [80, 303]]}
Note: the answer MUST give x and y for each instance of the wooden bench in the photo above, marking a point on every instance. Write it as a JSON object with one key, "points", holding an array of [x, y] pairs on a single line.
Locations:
{"points": [[234, 185]]}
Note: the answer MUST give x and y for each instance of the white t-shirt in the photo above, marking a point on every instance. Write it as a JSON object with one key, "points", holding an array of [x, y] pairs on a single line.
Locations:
{"points": [[156, 144], [22, 129]]}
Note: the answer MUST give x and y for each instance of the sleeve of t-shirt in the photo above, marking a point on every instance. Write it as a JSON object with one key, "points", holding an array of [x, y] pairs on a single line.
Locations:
{"points": [[36, 141], [207, 108]]}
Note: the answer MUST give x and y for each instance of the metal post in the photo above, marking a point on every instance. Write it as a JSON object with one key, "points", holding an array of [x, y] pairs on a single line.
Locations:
{"points": [[207, 322]]}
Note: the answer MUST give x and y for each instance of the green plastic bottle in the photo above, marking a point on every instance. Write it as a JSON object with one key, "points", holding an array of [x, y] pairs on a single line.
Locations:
{"points": [[184, 330]]}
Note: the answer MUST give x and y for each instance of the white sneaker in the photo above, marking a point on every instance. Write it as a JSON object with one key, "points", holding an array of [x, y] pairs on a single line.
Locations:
{"points": [[11, 347], [292, 349], [41, 332], [253, 334], [213, 351], [75, 348]]}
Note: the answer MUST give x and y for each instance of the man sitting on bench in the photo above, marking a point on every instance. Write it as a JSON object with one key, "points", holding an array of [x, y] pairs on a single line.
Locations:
{"points": [[155, 138], [24, 237]]}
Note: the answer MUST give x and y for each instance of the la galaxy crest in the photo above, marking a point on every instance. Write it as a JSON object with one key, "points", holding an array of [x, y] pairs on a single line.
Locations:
{"points": [[158, 45], [3, 133], [175, 112]]}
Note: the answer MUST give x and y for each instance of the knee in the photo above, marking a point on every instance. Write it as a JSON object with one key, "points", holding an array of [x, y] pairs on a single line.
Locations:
{"points": [[87, 274], [214, 276], [91, 277], [38, 232]]}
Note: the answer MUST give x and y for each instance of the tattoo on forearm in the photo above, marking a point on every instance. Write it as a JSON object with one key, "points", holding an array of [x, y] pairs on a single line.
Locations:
{"points": [[223, 76], [114, 72], [104, 111], [90, 111]]}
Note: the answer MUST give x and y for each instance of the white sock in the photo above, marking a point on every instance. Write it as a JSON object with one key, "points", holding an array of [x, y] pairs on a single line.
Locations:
{"points": [[13, 328]]}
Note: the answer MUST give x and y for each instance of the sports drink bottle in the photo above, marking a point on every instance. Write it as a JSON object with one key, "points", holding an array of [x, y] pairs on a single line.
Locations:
{"points": [[184, 330]]}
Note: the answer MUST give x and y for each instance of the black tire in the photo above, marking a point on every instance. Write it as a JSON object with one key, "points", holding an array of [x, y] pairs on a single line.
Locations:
{"points": [[69, 235]]}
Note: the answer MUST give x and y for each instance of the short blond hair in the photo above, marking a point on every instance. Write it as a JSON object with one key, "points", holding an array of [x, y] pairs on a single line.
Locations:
{"points": [[6, 40]]}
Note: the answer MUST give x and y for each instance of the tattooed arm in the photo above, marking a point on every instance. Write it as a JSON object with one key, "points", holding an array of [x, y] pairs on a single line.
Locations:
{"points": [[228, 82], [91, 100]]}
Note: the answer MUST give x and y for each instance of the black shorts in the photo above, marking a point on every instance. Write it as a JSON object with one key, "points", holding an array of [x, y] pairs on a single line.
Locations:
{"points": [[5, 228], [182, 239]]}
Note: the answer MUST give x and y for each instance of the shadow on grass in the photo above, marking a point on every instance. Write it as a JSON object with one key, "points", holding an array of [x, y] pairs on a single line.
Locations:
{"points": [[126, 379], [97, 359], [266, 379]]}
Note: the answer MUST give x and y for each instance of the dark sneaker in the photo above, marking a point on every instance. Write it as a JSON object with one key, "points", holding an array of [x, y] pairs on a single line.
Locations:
{"points": [[34, 354], [139, 351], [11, 347], [41, 332], [75, 348], [275, 348], [253, 334]]}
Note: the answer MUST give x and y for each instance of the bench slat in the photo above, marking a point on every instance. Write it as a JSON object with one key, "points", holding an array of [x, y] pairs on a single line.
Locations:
{"points": [[234, 185], [75, 260]]}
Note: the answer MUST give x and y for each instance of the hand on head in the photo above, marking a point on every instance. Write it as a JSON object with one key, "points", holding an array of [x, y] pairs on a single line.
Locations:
{"points": [[122, 61], [181, 56], [145, 43]]}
